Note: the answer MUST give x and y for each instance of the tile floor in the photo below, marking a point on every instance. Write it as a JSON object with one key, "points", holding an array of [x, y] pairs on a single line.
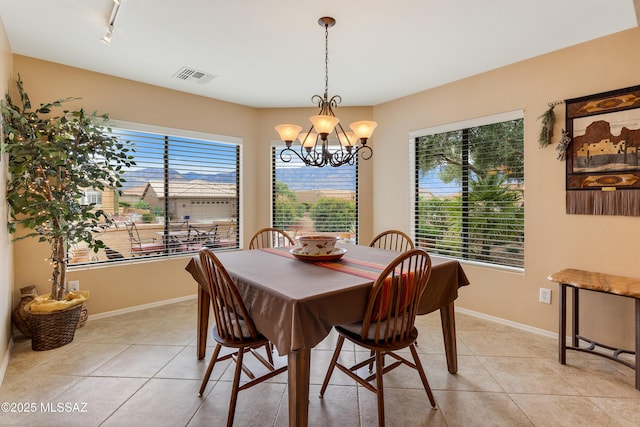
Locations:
{"points": [[140, 369]]}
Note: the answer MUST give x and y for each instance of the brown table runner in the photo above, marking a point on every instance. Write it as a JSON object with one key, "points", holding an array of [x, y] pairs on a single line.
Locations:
{"points": [[356, 267]]}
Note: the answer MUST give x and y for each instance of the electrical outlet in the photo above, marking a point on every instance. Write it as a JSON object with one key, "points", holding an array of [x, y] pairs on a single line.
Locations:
{"points": [[74, 285], [545, 295]]}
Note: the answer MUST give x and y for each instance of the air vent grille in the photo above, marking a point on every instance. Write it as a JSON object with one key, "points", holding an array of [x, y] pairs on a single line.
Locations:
{"points": [[189, 74]]}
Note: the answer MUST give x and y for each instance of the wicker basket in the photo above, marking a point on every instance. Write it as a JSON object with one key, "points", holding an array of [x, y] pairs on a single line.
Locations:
{"points": [[51, 330], [84, 315]]}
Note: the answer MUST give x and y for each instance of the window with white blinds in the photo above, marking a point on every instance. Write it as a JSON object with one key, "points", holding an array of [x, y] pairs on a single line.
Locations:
{"points": [[469, 198], [307, 199], [182, 194]]}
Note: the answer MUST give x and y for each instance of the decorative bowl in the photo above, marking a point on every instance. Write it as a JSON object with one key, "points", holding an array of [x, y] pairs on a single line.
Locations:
{"points": [[335, 255], [316, 245]]}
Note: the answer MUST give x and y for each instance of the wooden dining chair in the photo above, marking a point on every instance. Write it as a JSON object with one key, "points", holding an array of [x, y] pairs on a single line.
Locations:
{"points": [[393, 240], [234, 328], [388, 325], [270, 238]]}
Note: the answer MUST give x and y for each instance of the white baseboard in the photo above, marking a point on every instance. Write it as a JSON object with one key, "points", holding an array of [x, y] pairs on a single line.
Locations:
{"points": [[139, 307], [461, 310], [5, 361], [516, 325]]}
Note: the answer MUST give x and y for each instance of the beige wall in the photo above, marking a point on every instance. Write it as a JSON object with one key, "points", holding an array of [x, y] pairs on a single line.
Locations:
{"points": [[554, 240], [130, 285], [6, 255]]}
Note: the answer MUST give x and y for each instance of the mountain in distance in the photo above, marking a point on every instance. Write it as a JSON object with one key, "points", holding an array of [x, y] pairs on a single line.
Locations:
{"points": [[297, 178], [140, 177], [325, 178], [220, 178]]}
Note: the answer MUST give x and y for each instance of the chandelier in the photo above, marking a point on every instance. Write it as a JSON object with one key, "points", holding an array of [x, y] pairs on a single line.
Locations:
{"points": [[314, 144]]}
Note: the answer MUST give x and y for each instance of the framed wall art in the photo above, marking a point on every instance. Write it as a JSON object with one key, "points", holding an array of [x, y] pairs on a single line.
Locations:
{"points": [[603, 159]]}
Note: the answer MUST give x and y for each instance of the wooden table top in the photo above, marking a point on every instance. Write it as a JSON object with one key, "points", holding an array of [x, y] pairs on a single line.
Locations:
{"points": [[609, 283]]}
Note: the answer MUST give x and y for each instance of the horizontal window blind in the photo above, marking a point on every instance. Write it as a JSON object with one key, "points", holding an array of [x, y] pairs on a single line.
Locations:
{"points": [[182, 194], [309, 199], [470, 193]]}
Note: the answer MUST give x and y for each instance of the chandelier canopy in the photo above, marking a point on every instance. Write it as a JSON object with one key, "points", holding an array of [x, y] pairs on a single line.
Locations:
{"points": [[314, 144]]}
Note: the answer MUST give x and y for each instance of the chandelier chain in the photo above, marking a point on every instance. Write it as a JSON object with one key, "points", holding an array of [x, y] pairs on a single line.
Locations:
{"points": [[326, 60]]}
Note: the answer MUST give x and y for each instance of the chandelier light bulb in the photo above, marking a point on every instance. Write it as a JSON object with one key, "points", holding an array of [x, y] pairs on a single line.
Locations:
{"points": [[288, 132], [324, 124], [348, 139], [308, 140], [363, 129]]}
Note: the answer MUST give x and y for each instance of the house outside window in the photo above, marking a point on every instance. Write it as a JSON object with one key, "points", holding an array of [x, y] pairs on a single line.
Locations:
{"points": [[469, 190], [182, 194], [313, 200]]}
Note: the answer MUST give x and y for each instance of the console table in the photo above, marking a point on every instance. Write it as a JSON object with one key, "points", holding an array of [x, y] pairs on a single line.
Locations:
{"points": [[597, 282]]}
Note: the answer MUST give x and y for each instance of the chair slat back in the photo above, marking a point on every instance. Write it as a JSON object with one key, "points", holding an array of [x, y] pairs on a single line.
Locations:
{"points": [[270, 238], [393, 300], [393, 240], [233, 321]]}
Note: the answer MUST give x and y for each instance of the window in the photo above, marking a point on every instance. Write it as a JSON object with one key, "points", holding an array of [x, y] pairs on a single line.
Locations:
{"points": [[307, 199], [92, 197], [182, 194], [469, 197]]}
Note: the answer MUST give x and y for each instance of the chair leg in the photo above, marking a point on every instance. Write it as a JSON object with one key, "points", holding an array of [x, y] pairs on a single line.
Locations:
{"points": [[332, 365], [379, 387], [207, 374], [371, 354], [234, 389], [269, 348], [423, 376]]}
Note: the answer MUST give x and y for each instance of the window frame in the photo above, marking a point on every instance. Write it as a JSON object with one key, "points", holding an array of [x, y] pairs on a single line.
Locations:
{"points": [[413, 185], [273, 146], [182, 134]]}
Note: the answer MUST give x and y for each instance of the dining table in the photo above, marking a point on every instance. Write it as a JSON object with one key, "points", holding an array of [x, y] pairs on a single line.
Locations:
{"points": [[295, 303]]}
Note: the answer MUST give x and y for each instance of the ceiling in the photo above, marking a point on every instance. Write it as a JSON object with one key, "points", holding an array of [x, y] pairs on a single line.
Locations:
{"points": [[270, 53]]}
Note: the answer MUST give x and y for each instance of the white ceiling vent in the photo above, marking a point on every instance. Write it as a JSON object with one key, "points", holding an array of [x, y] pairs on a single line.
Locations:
{"points": [[191, 75]]}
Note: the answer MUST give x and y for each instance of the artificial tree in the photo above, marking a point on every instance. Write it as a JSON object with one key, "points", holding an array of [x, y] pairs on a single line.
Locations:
{"points": [[52, 161]]}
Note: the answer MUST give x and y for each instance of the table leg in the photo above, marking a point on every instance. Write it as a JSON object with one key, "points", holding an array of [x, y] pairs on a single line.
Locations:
{"points": [[562, 327], [203, 321], [575, 330], [637, 343], [448, 319], [299, 369]]}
